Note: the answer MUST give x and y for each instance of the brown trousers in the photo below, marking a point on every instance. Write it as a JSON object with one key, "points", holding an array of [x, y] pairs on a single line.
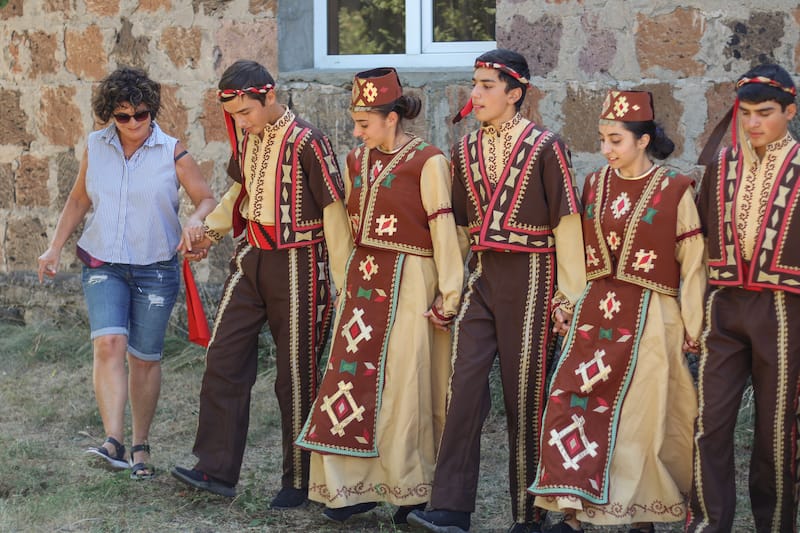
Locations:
{"points": [[747, 334], [504, 314], [287, 289]]}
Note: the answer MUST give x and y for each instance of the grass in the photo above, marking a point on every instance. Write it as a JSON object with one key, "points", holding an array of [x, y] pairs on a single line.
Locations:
{"points": [[48, 416]]}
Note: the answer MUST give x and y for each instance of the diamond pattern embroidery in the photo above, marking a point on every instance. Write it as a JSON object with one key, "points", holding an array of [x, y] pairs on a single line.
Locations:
{"points": [[368, 268], [613, 241], [610, 305], [342, 408], [591, 256], [572, 443], [386, 225], [356, 330], [593, 371], [621, 205], [644, 260]]}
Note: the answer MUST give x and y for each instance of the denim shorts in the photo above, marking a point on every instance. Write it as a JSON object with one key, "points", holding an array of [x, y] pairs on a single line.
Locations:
{"points": [[132, 300]]}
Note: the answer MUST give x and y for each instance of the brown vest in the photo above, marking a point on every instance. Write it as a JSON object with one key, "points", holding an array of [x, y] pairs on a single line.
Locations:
{"points": [[389, 214], [776, 258], [647, 251]]}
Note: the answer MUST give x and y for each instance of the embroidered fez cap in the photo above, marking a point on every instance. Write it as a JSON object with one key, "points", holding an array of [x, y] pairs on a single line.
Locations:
{"points": [[628, 106], [375, 88]]}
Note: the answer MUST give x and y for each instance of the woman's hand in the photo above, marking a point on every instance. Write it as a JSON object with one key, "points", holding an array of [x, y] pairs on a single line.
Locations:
{"points": [[690, 346], [436, 315], [48, 263], [561, 321]]}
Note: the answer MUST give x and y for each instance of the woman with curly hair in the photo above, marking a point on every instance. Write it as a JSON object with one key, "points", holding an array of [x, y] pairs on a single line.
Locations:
{"points": [[129, 179]]}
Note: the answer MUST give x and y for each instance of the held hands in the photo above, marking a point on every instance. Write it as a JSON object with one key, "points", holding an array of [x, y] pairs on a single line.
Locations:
{"points": [[561, 321], [48, 263], [194, 243], [436, 315], [690, 346]]}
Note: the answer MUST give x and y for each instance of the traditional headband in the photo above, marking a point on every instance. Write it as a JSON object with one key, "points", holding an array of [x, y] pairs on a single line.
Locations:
{"points": [[375, 88], [715, 139], [766, 81], [628, 106], [227, 94], [467, 109]]}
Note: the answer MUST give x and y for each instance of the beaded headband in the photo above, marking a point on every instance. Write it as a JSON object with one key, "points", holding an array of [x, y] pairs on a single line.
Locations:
{"points": [[227, 94], [766, 81]]}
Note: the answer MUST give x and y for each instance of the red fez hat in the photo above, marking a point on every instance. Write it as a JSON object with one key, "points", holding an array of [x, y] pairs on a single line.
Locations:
{"points": [[375, 88], [628, 106]]}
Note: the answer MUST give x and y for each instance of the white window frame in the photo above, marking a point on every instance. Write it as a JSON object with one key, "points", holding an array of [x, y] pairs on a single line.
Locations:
{"points": [[421, 50]]}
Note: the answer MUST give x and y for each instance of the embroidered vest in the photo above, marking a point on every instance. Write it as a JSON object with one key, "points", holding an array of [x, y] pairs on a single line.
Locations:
{"points": [[776, 255], [385, 208], [647, 250], [513, 215], [298, 212]]}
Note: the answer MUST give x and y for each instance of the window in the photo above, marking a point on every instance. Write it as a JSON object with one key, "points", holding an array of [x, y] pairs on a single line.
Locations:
{"points": [[402, 33]]}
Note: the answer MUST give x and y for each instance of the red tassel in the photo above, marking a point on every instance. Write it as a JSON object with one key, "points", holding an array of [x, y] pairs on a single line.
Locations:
{"points": [[196, 316], [466, 110]]}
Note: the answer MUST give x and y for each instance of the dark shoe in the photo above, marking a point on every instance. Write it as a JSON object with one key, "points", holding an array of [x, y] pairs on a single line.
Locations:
{"points": [[289, 498], [140, 471], [650, 529], [530, 527], [440, 520], [401, 515], [201, 480], [341, 514], [113, 461], [563, 527]]}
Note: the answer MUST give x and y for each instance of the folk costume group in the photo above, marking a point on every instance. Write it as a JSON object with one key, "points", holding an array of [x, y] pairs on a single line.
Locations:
{"points": [[633, 273]]}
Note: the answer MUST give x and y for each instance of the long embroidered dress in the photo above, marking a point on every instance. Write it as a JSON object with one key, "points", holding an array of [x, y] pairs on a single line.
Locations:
{"points": [[617, 430], [376, 425]]}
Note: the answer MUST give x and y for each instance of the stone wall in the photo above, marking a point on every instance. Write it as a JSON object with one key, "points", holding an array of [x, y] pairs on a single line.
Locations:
{"points": [[55, 51]]}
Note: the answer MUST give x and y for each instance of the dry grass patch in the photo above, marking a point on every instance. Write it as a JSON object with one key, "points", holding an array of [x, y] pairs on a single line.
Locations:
{"points": [[48, 417]]}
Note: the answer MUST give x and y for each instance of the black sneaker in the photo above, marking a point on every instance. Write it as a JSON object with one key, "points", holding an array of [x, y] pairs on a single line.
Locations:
{"points": [[340, 514], [530, 527], [401, 515], [201, 480], [289, 498], [440, 521]]}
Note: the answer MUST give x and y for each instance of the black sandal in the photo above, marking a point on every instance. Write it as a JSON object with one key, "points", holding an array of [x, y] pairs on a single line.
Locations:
{"points": [[114, 461], [149, 469]]}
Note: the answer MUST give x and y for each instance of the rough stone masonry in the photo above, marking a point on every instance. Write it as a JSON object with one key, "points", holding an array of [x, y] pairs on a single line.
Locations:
{"points": [[687, 53]]}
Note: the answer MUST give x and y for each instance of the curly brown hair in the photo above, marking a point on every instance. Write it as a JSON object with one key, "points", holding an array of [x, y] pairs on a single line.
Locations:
{"points": [[126, 85]]}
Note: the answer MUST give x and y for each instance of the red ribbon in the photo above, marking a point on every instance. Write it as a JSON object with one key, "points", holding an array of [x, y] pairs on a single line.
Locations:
{"points": [[196, 316]]}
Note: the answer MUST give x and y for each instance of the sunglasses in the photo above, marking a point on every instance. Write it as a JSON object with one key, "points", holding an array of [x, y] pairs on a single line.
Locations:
{"points": [[124, 118]]}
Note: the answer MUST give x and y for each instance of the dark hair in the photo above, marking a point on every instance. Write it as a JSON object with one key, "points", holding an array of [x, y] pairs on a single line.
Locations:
{"points": [[126, 85], [660, 146], [512, 60], [245, 73], [406, 107], [756, 93]]}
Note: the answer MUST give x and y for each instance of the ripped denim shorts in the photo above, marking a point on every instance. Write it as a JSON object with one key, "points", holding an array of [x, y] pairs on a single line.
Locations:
{"points": [[132, 300]]}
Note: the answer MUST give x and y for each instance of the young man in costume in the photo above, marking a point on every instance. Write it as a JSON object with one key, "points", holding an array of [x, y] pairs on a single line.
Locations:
{"points": [[749, 210], [514, 192], [287, 201]]}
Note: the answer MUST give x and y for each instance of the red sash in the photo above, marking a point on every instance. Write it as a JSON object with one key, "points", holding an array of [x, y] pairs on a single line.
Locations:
{"points": [[589, 386], [343, 419]]}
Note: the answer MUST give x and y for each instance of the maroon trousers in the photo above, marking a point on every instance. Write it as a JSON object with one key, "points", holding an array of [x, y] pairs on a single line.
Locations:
{"points": [[504, 314], [756, 335], [288, 290]]}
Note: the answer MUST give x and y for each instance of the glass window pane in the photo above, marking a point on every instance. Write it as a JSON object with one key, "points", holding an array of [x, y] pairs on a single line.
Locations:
{"points": [[463, 20], [366, 27]]}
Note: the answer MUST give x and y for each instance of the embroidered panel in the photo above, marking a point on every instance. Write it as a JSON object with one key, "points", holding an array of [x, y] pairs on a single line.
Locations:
{"points": [[588, 390], [344, 417]]}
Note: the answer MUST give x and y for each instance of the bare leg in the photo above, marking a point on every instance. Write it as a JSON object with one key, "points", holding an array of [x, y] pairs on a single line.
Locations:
{"points": [[111, 384], [571, 520], [145, 387]]}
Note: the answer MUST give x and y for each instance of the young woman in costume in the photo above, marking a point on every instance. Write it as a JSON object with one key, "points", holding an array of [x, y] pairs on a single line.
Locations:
{"points": [[617, 429]]}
